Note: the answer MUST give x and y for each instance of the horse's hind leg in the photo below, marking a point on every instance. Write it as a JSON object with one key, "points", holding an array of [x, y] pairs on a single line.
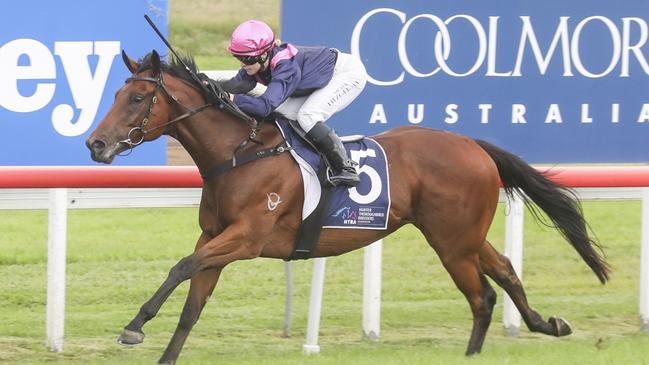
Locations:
{"points": [[466, 274], [499, 268]]}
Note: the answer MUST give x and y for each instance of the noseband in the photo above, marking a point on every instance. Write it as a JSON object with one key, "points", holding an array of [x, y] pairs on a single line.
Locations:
{"points": [[159, 81]]}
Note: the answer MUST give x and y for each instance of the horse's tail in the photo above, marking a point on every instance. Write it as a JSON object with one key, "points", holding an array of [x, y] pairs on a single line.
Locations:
{"points": [[558, 202]]}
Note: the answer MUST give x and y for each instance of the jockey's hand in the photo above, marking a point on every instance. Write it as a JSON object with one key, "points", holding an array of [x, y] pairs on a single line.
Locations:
{"points": [[206, 82]]}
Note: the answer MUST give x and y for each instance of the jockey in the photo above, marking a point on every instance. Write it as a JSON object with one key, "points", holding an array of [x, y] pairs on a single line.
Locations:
{"points": [[307, 84]]}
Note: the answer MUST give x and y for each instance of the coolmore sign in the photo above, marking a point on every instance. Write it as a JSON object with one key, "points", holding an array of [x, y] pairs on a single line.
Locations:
{"points": [[557, 82], [60, 66]]}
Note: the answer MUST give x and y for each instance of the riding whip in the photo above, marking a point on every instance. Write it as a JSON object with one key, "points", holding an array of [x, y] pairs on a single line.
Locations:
{"points": [[216, 90], [191, 72]]}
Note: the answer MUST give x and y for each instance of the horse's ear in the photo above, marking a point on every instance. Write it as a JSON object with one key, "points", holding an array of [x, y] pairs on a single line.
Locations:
{"points": [[130, 64], [155, 63]]}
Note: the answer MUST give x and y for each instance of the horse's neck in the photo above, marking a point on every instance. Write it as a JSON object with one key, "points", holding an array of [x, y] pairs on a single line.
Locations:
{"points": [[210, 137]]}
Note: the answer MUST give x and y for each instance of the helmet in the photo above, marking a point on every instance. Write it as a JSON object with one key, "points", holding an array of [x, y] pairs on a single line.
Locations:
{"points": [[251, 38]]}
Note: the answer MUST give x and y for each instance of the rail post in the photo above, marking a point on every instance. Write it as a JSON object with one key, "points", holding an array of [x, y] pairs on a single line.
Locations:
{"points": [[288, 307], [514, 228], [315, 306], [56, 252], [644, 263], [372, 258]]}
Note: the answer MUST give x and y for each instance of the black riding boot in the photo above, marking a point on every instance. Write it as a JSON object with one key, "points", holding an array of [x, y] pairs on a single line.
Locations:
{"points": [[328, 143]]}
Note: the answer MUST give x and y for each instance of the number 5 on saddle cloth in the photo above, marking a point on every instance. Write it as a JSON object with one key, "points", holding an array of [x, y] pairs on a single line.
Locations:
{"points": [[365, 206]]}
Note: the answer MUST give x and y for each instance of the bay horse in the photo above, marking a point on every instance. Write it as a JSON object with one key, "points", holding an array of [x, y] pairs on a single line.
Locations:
{"points": [[445, 184]]}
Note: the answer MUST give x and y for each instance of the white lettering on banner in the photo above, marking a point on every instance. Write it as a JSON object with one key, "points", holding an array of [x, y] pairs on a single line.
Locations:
{"points": [[451, 114], [615, 113], [574, 47], [626, 31], [86, 88], [484, 113], [41, 67], [552, 116], [585, 116], [378, 115], [491, 50], [446, 45], [528, 35], [356, 36], [415, 117], [644, 114], [518, 114], [622, 50]]}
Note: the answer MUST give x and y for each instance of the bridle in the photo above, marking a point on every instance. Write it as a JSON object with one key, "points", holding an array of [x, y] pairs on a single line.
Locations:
{"points": [[223, 102], [160, 84]]}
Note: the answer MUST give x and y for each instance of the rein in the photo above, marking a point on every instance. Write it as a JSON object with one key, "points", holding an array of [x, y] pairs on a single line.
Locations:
{"points": [[222, 104]]}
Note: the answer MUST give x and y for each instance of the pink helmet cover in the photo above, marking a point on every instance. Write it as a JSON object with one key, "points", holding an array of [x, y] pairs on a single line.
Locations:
{"points": [[251, 38]]}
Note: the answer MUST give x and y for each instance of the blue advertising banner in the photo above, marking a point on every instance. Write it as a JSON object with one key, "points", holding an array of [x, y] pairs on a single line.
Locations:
{"points": [[554, 82], [60, 66]]}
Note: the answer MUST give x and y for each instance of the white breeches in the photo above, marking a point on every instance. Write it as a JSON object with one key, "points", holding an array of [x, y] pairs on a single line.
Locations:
{"points": [[348, 80]]}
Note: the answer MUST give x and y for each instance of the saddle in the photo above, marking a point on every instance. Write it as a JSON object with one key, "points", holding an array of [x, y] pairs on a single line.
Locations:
{"points": [[365, 206]]}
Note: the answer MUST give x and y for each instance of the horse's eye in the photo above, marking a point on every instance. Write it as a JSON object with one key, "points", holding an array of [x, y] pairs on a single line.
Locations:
{"points": [[138, 98]]}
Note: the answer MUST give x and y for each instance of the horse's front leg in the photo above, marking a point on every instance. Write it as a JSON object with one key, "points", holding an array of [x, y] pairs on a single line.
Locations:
{"points": [[201, 287], [215, 254], [132, 333]]}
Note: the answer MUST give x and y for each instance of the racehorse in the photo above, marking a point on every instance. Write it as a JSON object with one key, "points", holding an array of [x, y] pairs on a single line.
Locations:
{"points": [[445, 184]]}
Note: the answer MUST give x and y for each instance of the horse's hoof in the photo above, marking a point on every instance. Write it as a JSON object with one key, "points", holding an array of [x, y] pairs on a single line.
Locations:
{"points": [[130, 338], [561, 326]]}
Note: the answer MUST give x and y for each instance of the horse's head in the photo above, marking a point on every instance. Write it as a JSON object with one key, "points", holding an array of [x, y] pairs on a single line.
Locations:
{"points": [[139, 113]]}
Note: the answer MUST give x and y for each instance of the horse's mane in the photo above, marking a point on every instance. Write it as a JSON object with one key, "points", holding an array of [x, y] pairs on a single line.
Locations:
{"points": [[175, 66]]}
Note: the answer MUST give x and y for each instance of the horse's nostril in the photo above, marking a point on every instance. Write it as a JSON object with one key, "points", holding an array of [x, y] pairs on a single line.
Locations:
{"points": [[97, 145]]}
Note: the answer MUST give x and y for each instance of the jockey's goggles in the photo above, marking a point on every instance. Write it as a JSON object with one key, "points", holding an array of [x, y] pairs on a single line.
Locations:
{"points": [[251, 60]]}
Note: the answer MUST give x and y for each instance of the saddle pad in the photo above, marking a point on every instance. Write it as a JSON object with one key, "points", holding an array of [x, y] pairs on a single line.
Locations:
{"points": [[365, 206]]}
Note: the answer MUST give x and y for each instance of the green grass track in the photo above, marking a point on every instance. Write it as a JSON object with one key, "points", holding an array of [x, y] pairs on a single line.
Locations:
{"points": [[118, 257]]}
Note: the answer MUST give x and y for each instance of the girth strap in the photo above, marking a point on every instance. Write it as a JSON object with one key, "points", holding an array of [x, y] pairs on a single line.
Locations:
{"points": [[238, 161], [308, 234]]}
